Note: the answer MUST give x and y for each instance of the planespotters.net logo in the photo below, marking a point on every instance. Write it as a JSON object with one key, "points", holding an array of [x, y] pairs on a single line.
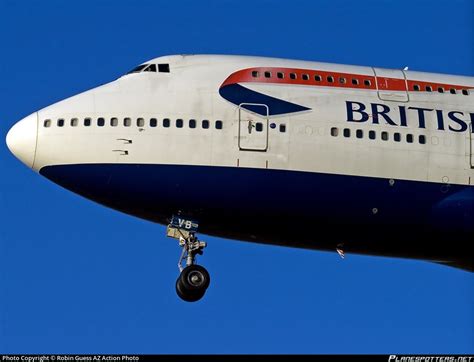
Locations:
{"points": [[396, 358]]}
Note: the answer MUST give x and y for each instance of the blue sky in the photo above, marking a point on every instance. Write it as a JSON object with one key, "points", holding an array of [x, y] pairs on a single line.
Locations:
{"points": [[76, 277]]}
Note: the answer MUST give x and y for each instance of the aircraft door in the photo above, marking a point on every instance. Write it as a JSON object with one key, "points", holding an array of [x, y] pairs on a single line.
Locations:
{"points": [[253, 127], [391, 84]]}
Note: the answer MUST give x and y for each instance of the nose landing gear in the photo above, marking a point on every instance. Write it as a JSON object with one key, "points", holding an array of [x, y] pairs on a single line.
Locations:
{"points": [[194, 279]]}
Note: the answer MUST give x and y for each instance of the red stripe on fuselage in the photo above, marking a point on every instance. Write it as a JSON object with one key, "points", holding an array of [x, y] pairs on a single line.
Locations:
{"points": [[321, 78]]}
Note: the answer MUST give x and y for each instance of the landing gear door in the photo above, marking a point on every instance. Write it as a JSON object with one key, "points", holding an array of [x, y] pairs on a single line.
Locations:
{"points": [[391, 84], [253, 127]]}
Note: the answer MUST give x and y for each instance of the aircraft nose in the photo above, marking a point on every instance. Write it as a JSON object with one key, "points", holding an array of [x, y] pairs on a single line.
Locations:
{"points": [[21, 139]]}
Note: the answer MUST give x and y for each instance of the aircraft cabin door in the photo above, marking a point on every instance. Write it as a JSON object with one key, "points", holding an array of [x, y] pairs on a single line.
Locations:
{"points": [[253, 127], [391, 84]]}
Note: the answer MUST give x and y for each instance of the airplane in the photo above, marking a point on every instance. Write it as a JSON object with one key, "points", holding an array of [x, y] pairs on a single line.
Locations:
{"points": [[303, 154]]}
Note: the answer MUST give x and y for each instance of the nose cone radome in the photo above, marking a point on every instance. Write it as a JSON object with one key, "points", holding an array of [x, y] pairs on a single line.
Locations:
{"points": [[21, 139]]}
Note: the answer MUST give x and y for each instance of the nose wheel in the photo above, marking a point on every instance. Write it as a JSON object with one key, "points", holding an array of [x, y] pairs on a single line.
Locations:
{"points": [[193, 279], [192, 283]]}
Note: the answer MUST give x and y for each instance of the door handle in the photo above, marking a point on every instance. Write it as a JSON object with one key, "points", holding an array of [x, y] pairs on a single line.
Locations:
{"points": [[250, 126]]}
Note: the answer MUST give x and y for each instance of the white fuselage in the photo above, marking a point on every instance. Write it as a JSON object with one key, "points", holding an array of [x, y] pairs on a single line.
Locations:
{"points": [[269, 114], [191, 91]]}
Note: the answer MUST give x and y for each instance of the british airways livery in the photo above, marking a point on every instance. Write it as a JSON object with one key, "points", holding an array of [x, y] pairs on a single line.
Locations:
{"points": [[304, 154]]}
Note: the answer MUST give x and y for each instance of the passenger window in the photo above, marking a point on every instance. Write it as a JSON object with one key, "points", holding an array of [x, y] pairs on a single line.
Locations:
{"points": [[255, 74], [397, 137], [409, 138], [422, 139], [282, 128], [114, 122], [87, 122], [259, 127], [280, 75], [305, 77], [164, 68], [100, 122], [347, 132], [359, 133], [268, 74], [218, 124], [192, 123], [74, 122], [60, 122], [465, 92], [428, 88], [47, 123], [334, 131], [205, 124], [179, 123], [292, 75], [367, 82], [440, 90], [355, 81], [384, 136], [330, 79], [140, 122], [318, 78], [166, 122], [127, 122], [416, 87], [372, 135], [452, 91], [153, 122], [342, 80]]}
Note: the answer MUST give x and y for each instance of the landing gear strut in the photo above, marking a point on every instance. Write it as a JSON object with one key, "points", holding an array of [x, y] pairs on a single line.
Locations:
{"points": [[194, 279]]}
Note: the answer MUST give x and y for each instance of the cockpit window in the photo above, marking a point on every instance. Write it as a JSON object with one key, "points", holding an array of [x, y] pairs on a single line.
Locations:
{"points": [[164, 68], [150, 68], [138, 69]]}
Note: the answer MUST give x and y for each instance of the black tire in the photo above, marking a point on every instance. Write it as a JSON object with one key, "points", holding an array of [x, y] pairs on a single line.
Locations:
{"points": [[194, 278], [186, 295]]}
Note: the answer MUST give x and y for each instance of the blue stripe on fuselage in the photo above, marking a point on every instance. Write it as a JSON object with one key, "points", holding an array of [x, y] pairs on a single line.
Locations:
{"points": [[303, 209]]}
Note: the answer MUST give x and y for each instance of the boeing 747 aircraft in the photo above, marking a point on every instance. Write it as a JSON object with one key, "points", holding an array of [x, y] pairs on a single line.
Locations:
{"points": [[303, 154]]}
